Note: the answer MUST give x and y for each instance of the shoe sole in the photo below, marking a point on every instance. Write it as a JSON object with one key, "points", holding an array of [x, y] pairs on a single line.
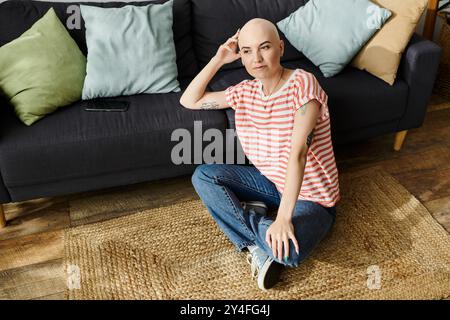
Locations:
{"points": [[272, 271], [256, 204]]}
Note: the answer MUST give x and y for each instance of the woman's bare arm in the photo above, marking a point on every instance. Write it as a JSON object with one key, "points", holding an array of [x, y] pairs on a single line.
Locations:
{"points": [[195, 95]]}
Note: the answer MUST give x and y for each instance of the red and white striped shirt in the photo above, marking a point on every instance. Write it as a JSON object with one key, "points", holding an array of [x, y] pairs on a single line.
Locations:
{"points": [[264, 125]]}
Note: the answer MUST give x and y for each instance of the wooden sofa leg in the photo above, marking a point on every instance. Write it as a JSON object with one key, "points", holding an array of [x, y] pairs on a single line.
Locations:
{"points": [[2, 217], [399, 138]]}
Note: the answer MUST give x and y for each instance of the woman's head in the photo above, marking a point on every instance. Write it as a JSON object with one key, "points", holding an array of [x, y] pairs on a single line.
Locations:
{"points": [[260, 46]]}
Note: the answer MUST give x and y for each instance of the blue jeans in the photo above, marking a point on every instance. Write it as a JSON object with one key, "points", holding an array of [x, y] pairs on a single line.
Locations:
{"points": [[222, 187]]}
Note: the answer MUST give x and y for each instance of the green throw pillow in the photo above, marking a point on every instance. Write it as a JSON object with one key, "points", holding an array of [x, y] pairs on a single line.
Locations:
{"points": [[130, 50], [330, 33], [42, 70]]}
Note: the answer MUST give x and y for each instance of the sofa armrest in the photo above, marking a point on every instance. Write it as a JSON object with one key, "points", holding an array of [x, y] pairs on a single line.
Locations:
{"points": [[418, 68]]}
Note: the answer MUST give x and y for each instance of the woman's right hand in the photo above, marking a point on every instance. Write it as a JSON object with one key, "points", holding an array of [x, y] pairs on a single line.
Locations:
{"points": [[227, 52]]}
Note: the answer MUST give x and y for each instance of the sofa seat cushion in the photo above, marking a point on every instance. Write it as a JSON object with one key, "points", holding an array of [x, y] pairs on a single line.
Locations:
{"points": [[356, 99], [74, 143]]}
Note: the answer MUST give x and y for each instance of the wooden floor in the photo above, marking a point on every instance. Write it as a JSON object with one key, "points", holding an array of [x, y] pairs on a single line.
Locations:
{"points": [[31, 247]]}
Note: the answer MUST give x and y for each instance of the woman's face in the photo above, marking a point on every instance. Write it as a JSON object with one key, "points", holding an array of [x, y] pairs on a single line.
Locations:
{"points": [[260, 53]]}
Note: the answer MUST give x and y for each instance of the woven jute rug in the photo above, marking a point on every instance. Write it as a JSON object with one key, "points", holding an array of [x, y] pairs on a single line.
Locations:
{"points": [[384, 245]]}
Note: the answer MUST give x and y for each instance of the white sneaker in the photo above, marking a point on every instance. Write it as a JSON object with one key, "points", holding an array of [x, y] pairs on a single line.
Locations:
{"points": [[264, 269]]}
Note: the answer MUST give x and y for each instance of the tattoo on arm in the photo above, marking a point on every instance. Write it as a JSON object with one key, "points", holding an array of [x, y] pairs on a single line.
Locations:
{"points": [[310, 138], [209, 105], [303, 108]]}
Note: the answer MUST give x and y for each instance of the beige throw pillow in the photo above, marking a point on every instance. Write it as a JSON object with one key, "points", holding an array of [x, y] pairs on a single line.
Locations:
{"points": [[382, 53]]}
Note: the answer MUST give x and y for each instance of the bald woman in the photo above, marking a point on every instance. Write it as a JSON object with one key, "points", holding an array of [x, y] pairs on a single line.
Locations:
{"points": [[283, 124]]}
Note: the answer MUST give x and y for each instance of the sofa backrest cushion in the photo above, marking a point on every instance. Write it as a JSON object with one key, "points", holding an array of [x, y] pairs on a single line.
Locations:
{"points": [[214, 21], [19, 15]]}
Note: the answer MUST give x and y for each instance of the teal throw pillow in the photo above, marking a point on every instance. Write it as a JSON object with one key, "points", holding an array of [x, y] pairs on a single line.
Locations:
{"points": [[330, 33], [130, 50]]}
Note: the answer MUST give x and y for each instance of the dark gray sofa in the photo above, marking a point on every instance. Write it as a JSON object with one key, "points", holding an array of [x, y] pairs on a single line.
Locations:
{"points": [[73, 150]]}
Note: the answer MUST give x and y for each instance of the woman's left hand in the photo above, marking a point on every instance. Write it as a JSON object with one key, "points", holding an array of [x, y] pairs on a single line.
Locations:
{"points": [[278, 235]]}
